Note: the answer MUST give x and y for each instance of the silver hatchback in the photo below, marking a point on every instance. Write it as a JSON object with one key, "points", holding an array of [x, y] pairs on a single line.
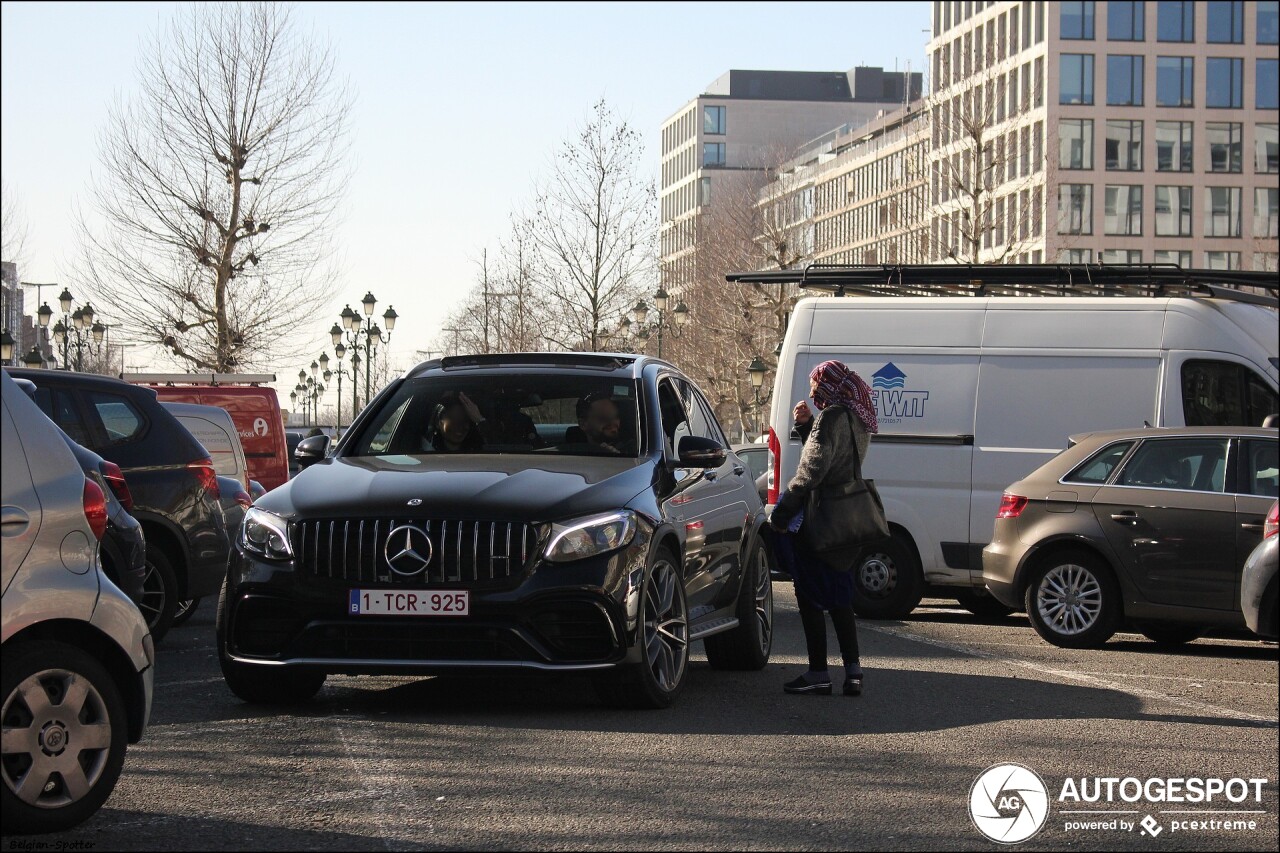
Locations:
{"points": [[76, 661]]}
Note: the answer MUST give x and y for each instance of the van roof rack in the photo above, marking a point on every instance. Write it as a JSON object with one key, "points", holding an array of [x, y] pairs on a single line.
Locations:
{"points": [[198, 378], [1025, 280]]}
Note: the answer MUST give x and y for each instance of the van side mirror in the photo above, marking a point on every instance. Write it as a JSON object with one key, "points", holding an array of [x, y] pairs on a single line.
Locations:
{"points": [[1270, 421], [311, 450], [699, 452]]}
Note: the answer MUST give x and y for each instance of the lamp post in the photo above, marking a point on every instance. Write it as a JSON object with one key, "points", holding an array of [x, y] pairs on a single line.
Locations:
{"points": [[641, 330], [357, 340], [757, 371], [78, 324], [6, 346]]}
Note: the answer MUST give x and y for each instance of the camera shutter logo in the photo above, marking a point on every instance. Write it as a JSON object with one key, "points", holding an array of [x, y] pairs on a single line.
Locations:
{"points": [[408, 550], [1009, 803]]}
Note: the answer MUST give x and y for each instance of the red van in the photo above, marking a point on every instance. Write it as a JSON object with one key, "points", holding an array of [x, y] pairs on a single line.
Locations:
{"points": [[252, 404]]}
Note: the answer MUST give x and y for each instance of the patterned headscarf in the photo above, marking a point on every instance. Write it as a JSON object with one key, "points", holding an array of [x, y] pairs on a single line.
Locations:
{"points": [[839, 385]]}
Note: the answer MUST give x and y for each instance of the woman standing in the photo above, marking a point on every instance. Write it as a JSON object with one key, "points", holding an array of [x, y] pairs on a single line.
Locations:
{"points": [[834, 441]]}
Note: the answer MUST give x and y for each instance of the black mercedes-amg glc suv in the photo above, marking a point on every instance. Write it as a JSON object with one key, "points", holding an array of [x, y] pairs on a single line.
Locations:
{"points": [[561, 512]]}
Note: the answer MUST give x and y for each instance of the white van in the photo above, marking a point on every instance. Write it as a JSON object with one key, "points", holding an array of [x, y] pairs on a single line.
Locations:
{"points": [[213, 427], [975, 392]]}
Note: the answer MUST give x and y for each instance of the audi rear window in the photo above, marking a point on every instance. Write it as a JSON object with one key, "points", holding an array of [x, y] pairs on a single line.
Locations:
{"points": [[1098, 468]]}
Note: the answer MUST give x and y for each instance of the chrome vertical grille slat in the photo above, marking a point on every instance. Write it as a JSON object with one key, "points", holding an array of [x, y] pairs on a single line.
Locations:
{"points": [[475, 551], [457, 557]]}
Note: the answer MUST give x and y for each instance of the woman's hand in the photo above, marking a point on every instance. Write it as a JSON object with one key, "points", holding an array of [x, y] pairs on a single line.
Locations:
{"points": [[473, 411], [801, 413]]}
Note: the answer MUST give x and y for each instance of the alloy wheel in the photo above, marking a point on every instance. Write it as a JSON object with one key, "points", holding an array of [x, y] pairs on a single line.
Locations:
{"points": [[153, 595], [1069, 599], [764, 600], [666, 627]]}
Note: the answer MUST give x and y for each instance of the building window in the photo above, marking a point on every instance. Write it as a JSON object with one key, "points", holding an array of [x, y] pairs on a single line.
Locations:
{"points": [[1224, 88], [1122, 210], [713, 154], [1225, 21], [1124, 81], [1226, 147], [1173, 211], [1075, 78], [1268, 22], [1266, 149], [713, 120], [1175, 20], [1173, 256], [1124, 145], [1077, 20], [1222, 260], [1125, 20], [1121, 256], [1265, 201], [1075, 256], [704, 192], [1222, 212], [1075, 208], [1267, 85], [1175, 78], [1173, 146]]}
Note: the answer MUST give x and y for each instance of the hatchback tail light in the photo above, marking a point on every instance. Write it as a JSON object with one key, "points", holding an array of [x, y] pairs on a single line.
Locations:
{"points": [[1272, 523], [1011, 506], [95, 508], [208, 477], [775, 465], [115, 479]]}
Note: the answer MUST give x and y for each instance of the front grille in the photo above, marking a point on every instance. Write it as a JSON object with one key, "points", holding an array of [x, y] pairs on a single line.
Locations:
{"points": [[472, 554]]}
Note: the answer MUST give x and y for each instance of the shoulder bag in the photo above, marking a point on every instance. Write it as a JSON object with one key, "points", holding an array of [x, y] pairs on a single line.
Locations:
{"points": [[839, 521]]}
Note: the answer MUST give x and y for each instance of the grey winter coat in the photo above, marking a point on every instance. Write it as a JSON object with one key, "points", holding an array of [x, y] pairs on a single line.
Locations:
{"points": [[827, 459]]}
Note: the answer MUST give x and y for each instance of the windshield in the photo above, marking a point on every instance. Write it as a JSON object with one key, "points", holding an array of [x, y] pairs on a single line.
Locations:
{"points": [[558, 414]]}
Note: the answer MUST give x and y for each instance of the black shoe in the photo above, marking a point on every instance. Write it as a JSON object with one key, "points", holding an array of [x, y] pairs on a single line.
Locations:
{"points": [[803, 685], [853, 685]]}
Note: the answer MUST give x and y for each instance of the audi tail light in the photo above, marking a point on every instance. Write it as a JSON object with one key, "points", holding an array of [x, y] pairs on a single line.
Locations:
{"points": [[775, 466], [95, 508], [1272, 523], [208, 477], [115, 479], [1011, 506]]}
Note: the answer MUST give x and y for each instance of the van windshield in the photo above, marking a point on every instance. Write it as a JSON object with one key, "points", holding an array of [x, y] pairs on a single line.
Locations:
{"points": [[562, 414]]}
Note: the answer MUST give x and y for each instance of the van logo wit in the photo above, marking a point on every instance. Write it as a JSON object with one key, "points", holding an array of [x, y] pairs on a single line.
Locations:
{"points": [[260, 426], [893, 401]]}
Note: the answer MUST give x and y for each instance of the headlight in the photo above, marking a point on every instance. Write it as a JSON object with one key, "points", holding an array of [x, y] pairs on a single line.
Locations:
{"points": [[586, 537], [265, 534]]}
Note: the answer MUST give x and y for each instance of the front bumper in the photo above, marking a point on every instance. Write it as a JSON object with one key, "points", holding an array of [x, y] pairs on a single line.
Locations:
{"points": [[554, 617]]}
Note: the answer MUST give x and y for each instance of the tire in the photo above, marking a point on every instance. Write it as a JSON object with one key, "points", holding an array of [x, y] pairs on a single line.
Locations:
{"points": [[747, 647], [262, 685], [983, 604], [185, 610], [92, 731], [888, 583], [664, 643], [159, 594], [1073, 600], [1170, 635]]}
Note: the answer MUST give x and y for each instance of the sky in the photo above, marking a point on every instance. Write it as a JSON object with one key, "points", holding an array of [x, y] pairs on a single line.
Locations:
{"points": [[459, 108]]}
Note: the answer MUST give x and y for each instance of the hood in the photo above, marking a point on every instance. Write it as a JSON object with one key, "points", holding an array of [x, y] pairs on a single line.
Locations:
{"points": [[497, 487]]}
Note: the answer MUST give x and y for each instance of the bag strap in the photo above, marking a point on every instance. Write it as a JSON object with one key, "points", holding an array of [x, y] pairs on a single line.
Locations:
{"points": [[857, 457]]}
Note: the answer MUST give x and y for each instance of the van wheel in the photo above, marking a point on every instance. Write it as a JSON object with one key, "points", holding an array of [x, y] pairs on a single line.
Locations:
{"points": [[159, 594], [65, 736], [1073, 601], [747, 647], [982, 604], [887, 581], [1170, 635], [262, 685]]}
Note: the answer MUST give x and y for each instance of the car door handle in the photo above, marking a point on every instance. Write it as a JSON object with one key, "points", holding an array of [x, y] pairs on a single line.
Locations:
{"points": [[1126, 517], [14, 521], [711, 476], [738, 470], [1252, 527]]}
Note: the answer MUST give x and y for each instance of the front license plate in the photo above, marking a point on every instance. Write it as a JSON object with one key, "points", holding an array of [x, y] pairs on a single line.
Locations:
{"points": [[417, 602]]}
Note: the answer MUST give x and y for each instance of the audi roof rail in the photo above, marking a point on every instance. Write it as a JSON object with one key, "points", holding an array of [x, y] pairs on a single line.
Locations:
{"points": [[592, 360], [1154, 280]]}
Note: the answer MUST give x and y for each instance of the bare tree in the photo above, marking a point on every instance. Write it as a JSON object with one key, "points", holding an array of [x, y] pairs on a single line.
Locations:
{"points": [[221, 182], [13, 227], [593, 225]]}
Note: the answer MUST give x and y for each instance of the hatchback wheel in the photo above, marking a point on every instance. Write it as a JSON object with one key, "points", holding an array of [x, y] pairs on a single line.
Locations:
{"points": [[64, 737], [887, 580], [159, 601], [1073, 601], [747, 647], [664, 642], [186, 609]]}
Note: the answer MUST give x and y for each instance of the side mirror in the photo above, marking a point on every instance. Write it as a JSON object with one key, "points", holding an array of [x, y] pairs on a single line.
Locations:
{"points": [[1270, 421], [311, 450], [699, 452]]}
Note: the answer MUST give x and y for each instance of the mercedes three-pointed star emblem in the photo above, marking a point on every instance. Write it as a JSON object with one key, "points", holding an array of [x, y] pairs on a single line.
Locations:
{"points": [[408, 550]]}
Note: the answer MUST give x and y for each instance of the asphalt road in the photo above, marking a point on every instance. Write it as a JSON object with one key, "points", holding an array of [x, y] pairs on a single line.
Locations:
{"points": [[406, 764]]}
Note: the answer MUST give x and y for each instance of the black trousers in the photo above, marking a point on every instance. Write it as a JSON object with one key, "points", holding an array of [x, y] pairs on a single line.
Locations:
{"points": [[815, 634]]}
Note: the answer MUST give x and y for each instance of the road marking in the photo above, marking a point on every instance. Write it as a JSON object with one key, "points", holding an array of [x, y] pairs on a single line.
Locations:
{"points": [[1040, 668]]}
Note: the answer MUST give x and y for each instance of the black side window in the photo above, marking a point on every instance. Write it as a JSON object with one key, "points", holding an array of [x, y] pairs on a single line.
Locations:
{"points": [[1219, 393], [675, 424], [700, 423], [61, 408], [1261, 474], [121, 421], [1098, 468]]}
